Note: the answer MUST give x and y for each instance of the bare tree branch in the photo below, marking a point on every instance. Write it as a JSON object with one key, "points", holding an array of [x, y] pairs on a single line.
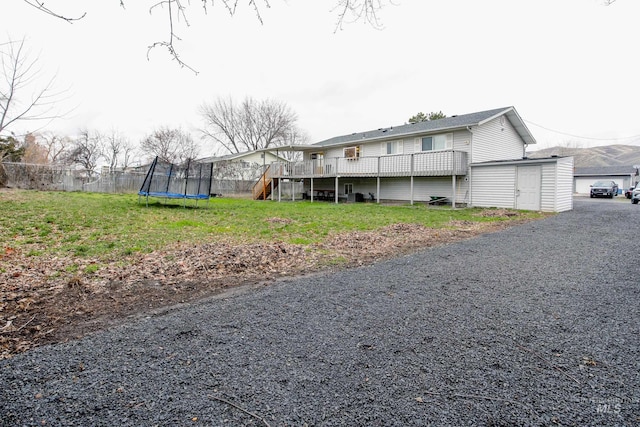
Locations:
{"points": [[220, 124], [348, 11], [20, 98], [180, 12], [41, 7]]}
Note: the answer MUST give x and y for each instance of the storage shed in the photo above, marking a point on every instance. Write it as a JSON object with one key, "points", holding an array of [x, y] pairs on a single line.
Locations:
{"points": [[528, 184]]}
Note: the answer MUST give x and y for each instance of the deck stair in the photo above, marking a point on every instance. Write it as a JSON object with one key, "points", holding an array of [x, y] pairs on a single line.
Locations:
{"points": [[263, 187]]}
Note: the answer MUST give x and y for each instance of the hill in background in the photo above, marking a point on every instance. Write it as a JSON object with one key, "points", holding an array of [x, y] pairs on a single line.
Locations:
{"points": [[607, 155]]}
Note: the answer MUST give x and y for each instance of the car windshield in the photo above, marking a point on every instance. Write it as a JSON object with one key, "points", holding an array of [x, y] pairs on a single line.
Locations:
{"points": [[602, 184]]}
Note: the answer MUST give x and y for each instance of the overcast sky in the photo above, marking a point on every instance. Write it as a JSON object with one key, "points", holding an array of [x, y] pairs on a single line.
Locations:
{"points": [[569, 67]]}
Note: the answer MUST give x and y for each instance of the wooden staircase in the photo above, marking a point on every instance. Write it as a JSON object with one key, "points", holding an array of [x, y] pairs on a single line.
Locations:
{"points": [[262, 188]]}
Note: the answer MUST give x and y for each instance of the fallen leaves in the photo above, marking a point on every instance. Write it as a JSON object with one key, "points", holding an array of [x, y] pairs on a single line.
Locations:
{"points": [[71, 299]]}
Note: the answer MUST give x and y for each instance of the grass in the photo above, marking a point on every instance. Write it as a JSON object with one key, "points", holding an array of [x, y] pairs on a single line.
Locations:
{"points": [[108, 226]]}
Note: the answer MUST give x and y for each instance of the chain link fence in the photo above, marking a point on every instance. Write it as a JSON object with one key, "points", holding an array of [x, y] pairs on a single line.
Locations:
{"points": [[229, 178], [41, 177]]}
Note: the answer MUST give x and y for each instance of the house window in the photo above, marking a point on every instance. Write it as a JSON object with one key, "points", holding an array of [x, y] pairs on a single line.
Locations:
{"points": [[348, 188], [392, 147], [352, 152], [437, 142]]}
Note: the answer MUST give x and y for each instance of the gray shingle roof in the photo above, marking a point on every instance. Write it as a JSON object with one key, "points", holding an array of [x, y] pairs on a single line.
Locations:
{"points": [[448, 123], [604, 170]]}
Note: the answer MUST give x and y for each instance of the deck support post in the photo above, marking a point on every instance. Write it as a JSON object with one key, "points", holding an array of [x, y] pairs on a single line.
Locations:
{"points": [[336, 192], [280, 190], [411, 192], [311, 190], [378, 183], [453, 194]]}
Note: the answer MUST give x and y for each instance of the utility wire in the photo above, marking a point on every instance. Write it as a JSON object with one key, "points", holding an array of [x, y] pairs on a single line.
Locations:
{"points": [[583, 137]]}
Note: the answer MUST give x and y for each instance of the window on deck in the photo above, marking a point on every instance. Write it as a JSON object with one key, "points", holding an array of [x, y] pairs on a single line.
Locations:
{"points": [[392, 147], [436, 142]]}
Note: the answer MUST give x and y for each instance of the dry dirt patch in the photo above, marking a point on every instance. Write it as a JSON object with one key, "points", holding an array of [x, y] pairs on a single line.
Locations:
{"points": [[42, 302]]}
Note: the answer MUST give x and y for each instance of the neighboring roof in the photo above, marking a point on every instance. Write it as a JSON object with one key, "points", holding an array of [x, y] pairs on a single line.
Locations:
{"points": [[233, 156], [432, 126], [605, 170]]}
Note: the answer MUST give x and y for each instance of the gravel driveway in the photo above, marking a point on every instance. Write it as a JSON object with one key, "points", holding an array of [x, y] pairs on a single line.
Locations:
{"points": [[534, 325]]}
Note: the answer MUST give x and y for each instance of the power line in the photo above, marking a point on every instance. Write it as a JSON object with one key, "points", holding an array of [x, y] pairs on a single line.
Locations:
{"points": [[583, 137]]}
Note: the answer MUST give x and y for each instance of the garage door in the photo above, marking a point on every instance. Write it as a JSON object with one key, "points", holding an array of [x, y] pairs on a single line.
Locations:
{"points": [[528, 188]]}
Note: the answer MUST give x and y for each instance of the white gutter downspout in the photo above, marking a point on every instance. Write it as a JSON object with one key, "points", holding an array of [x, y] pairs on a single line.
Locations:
{"points": [[469, 161]]}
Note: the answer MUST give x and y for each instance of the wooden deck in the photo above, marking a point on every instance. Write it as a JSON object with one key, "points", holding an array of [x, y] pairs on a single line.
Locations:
{"points": [[441, 163]]}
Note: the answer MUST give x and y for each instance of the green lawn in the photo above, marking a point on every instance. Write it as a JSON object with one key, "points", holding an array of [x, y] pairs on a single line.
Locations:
{"points": [[109, 227]]}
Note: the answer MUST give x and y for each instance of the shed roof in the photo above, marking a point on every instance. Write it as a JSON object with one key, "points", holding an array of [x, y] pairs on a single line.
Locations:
{"points": [[605, 170], [447, 124], [524, 160]]}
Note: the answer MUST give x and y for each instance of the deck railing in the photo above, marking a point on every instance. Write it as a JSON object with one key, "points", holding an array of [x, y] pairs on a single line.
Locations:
{"points": [[439, 163]]}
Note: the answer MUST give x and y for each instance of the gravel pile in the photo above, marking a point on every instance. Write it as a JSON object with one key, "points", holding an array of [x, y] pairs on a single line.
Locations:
{"points": [[534, 325]]}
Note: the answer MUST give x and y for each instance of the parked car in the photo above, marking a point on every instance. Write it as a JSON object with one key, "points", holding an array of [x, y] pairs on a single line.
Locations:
{"points": [[628, 192], [604, 189], [635, 195]]}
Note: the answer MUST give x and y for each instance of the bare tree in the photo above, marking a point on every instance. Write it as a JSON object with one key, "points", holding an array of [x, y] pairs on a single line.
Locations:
{"points": [[56, 146], [42, 148], [117, 148], [128, 152], [295, 136], [22, 99], [172, 145], [250, 125], [87, 150]]}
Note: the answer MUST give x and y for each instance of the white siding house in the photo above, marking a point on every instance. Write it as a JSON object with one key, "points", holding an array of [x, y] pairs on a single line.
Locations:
{"points": [[236, 173], [472, 159]]}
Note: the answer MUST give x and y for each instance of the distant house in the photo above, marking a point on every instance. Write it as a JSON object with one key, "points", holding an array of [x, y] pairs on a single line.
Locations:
{"points": [[475, 159], [246, 158], [237, 172], [624, 176]]}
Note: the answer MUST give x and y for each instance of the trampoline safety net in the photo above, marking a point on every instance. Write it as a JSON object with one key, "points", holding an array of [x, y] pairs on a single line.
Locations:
{"points": [[189, 181]]}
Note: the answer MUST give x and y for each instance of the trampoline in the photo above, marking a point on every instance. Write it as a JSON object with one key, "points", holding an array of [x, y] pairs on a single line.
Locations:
{"points": [[189, 181]]}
